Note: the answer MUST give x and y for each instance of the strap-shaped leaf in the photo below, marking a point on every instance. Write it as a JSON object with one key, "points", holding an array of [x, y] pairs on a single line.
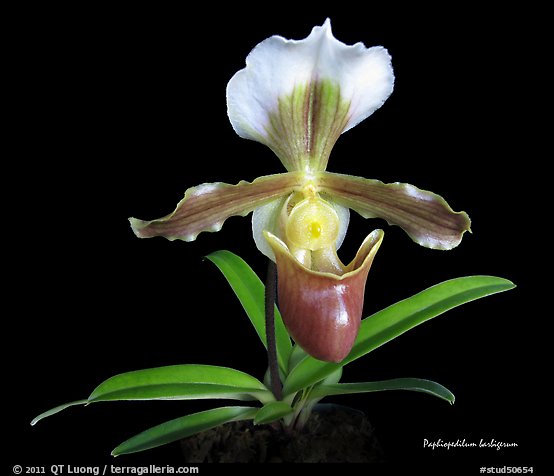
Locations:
{"points": [[393, 321], [425, 216], [250, 291], [207, 206], [183, 427], [176, 382], [181, 382], [272, 411], [57, 409], [413, 384]]}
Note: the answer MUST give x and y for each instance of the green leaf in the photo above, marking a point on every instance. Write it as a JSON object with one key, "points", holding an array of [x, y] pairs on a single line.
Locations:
{"points": [[183, 427], [57, 409], [314, 397], [296, 356], [250, 291], [413, 384], [181, 382], [393, 321], [176, 382], [272, 411]]}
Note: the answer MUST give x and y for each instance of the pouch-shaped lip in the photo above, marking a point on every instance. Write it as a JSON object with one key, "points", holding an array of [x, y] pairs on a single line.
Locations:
{"points": [[322, 310]]}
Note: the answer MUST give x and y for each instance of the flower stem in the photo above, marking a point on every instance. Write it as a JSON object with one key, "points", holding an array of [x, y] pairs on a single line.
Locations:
{"points": [[270, 295]]}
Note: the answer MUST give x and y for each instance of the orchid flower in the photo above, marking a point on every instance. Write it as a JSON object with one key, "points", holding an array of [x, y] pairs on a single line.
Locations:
{"points": [[298, 97]]}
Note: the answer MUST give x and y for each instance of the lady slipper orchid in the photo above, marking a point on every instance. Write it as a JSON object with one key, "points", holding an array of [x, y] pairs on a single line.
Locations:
{"points": [[298, 97]]}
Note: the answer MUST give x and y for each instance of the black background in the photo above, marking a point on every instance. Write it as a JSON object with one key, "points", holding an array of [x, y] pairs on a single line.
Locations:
{"points": [[119, 112]]}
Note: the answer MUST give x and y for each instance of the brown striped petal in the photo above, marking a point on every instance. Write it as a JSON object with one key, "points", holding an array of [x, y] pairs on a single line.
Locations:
{"points": [[207, 206], [321, 310], [425, 216]]}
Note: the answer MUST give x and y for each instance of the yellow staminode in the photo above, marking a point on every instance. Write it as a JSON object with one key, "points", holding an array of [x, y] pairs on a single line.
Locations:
{"points": [[313, 224]]}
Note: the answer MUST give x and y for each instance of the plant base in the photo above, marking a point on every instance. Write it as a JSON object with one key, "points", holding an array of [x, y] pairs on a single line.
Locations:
{"points": [[333, 434]]}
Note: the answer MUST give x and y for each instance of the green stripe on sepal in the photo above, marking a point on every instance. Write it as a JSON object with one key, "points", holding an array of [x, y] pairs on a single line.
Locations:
{"points": [[183, 427], [306, 124]]}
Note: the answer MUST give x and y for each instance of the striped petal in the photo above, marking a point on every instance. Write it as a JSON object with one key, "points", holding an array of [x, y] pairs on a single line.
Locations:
{"points": [[425, 216], [297, 97], [207, 206]]}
